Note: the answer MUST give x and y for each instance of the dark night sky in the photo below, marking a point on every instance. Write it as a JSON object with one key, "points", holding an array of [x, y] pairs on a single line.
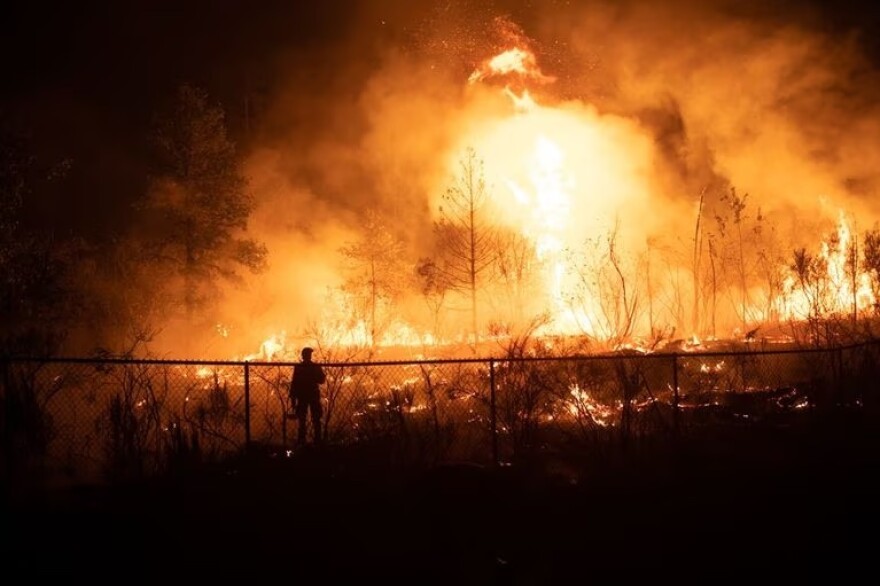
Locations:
{"points": [[83, 78]]}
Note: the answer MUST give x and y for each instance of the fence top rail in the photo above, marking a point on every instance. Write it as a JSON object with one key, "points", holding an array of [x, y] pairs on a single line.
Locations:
{"points": [[607, 356]]}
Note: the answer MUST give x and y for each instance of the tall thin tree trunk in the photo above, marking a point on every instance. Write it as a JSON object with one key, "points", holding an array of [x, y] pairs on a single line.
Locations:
{"points": [[373, 297], [473, 263], [853, 255], [698, 246], [742, 276], [650, 293], [714, 286]]}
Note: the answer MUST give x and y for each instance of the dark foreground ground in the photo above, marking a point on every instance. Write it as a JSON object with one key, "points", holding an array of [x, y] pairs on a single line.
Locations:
{"points": [[722, 507]]}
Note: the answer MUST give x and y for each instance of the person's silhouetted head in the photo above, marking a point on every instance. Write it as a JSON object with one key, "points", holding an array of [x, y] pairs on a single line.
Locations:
{"points": [[307, 354]]}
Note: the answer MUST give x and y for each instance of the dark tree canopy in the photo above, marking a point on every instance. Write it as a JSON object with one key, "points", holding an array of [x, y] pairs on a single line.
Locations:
{"points": [[36, 302], [199, 200]]}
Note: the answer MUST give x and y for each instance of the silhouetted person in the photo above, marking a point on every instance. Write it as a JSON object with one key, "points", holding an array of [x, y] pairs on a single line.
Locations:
{"points": [[305, 396]]}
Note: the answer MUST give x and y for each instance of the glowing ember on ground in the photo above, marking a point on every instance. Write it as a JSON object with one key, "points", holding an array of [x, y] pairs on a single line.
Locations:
{"points": [[717, 367], [582, 405]]}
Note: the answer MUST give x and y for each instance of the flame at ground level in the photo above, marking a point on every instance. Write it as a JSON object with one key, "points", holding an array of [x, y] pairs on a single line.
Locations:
{"points": [[609, 254]]}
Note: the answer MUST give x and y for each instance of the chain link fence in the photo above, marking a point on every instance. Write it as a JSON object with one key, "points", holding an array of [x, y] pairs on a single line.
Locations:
{"points": [[90, 420]]}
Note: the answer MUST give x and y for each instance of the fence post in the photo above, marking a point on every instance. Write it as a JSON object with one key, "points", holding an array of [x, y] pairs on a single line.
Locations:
{"points": [[247, 405], [675, 422], [493, 415]]}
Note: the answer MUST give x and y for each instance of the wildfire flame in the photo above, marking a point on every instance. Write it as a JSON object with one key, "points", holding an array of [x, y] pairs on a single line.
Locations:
{"points": [[512, 61], [581, 404], [270, 348], [561, 173], [834, 284], [550, 203]]}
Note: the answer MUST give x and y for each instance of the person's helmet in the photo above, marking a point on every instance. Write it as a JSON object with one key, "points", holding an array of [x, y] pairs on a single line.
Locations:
{"points": [[307, 352]]}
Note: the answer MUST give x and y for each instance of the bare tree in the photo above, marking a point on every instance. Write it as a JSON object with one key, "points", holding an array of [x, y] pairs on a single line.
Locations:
{"points": [[668, 303], [659, 326], [735, 205], [126, 306], [518, 270], [713, 284], [769, 263], [605, 294], [376, 272], [871, 261], [811, 272], [852, 270], [466, 238], [698, 251], [433, 287]]}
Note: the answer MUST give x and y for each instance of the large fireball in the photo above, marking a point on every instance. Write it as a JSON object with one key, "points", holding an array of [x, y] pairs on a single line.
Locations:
{"points": [[661, 188]]}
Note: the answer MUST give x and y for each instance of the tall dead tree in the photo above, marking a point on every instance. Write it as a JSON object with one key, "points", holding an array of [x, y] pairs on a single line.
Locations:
{"points": [[698, 250], [465, 236]]}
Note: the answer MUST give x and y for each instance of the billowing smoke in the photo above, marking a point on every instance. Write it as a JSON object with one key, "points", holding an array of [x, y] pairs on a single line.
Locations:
{"points": [[779, 110], [676, 101]]}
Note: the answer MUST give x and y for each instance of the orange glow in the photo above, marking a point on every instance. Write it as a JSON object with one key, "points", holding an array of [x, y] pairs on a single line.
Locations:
{"points": [[512, 61], [601, 172], [581, 404], [566, 171], [839, 286], [717, 367], [562, 174], [271, 348]]}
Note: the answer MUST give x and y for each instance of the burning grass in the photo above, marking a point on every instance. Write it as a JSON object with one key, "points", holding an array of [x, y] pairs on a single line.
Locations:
{"points": [[93, 420]]}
